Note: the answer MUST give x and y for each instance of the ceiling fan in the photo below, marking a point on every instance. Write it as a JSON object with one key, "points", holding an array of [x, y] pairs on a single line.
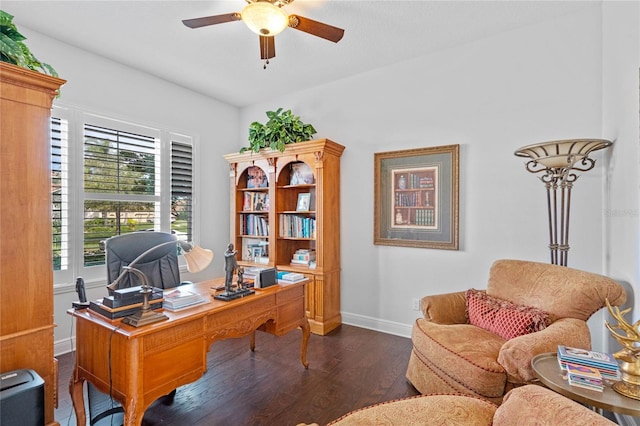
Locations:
{"points": [[266, 18]]}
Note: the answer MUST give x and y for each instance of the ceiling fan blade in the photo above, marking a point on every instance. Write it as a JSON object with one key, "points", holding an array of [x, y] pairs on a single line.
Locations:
{"points": [[316, 28], [267, 47], [212, 20]]}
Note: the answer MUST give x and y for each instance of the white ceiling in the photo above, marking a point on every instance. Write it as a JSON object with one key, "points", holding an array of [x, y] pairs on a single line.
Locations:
{"points": [[222, 61]]}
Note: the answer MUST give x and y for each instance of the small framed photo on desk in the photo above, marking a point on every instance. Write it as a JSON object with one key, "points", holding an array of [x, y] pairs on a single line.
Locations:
{"points": [[304, 201]]}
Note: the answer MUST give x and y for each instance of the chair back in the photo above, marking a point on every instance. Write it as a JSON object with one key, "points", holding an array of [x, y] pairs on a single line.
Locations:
{"points": [[160, 266], [561, 291]]}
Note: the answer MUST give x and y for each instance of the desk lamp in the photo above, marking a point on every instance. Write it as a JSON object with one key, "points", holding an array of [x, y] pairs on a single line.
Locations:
{"points": [[197, 259], [558, 161]]}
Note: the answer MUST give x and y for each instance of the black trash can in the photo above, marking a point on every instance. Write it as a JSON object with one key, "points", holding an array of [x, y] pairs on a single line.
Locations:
{"points": [[21, 398]]}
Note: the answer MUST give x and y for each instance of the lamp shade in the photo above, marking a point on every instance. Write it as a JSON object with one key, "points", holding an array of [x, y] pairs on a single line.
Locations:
{"points": [[197, 258], [562, 153], [264, 18]]}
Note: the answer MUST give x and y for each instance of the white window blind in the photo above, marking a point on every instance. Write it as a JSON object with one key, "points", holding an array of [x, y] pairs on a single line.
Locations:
{"points": [[121, 186], [60, 193], [182, 190]]}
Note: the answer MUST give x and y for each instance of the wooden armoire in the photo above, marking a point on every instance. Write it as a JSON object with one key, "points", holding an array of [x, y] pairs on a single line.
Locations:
{"points": [[26, 274]]}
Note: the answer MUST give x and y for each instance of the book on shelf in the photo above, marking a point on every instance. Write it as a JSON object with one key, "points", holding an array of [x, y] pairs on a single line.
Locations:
{"points": [[425, 182], [605, 363], [304, 255], [255, 201], [291, 277], [175, 299], [295, 226], [254, 224]]}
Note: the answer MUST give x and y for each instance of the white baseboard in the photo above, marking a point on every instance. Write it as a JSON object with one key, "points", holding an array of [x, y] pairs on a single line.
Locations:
{"points": [[376, 324], [64, 346]]}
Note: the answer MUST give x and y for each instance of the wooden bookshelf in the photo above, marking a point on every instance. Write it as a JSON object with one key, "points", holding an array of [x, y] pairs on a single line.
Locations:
{"points": [[290, 224]]}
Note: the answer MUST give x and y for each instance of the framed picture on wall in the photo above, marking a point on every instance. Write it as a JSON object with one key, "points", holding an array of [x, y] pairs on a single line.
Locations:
{"points": [[416, 197]]}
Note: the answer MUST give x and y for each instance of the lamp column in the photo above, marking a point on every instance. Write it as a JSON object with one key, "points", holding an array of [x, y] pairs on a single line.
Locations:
{"points": [[559, 187]]}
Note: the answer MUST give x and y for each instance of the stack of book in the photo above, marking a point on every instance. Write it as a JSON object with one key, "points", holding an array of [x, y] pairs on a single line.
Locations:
{"points": [[121, 311], [585, 377], [250, 273], [604, 363], [303, 257], [178, 299], [291, 277]]}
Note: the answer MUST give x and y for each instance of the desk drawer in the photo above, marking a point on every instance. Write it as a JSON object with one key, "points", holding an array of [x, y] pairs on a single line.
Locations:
{"points": [[234, 316], [173, 336], [290, 293], [174, 366], [241, 320]]}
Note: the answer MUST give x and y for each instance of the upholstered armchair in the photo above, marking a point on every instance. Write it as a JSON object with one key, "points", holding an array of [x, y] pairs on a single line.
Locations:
{"points": [[481, 343]]}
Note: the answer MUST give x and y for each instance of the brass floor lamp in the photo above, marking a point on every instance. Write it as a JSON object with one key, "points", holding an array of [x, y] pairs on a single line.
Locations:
{"points": [[558, 161]]}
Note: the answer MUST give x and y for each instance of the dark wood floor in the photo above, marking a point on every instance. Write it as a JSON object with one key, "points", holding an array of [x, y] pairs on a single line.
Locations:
{"points": [[349, 368]]}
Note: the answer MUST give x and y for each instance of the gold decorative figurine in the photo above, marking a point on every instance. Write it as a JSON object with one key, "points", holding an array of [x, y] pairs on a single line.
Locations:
{"points": [[629, 356]]}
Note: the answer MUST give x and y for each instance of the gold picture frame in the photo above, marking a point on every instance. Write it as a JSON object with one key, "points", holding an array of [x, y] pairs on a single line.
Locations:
{"points": [[416, 197]]}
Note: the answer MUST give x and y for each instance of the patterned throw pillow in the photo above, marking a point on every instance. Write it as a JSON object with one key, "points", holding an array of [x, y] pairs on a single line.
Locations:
{"points": [[502, 317]]}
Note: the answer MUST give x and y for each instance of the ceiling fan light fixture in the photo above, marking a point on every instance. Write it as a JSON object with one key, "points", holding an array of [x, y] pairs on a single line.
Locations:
{"points": [[265, 19]]}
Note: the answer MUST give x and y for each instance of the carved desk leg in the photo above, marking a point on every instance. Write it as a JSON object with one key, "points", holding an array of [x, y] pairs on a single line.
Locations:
{"points": [[77, 398], [132, 413], [306, 332]]}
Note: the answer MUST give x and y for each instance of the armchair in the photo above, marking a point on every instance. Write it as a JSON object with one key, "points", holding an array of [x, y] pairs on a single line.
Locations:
{"points": [[450, 354]]}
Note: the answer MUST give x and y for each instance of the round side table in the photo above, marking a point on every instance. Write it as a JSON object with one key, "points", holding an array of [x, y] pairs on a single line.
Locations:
{"points": [[546, 368]]}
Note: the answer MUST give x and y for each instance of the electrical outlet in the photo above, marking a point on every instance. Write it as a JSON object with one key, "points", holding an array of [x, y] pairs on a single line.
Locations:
{"points": [[415, 304]]}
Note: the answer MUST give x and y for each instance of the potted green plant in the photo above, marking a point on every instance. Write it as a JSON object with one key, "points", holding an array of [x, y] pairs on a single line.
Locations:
{"points": [[281, 129], [14, 51]]}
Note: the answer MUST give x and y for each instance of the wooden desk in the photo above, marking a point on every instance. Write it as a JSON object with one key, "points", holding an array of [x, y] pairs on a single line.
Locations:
{"points": [[145, 363], [546, 368]]}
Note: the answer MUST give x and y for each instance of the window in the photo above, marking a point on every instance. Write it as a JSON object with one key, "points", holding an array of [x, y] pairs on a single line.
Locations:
{"points": [[121, 186], [107, 178], [182, 189]]}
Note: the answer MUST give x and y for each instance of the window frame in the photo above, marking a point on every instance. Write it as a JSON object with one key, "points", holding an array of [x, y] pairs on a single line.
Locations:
{"points": [[76, 118]]}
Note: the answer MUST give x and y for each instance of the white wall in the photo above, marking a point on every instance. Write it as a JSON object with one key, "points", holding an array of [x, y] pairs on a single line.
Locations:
{"points": [[538, 83], [621, 122], [118, 91], [492, 96]]}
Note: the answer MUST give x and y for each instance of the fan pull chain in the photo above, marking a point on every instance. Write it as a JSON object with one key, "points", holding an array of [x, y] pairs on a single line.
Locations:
{"points": [[266, 49]]}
